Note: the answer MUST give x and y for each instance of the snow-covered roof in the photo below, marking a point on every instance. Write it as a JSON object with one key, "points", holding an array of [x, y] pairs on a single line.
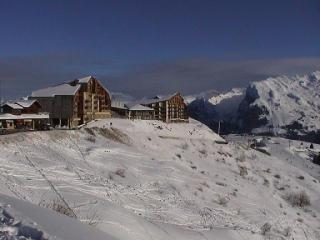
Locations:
{"points": [[118, 96], [132, 106], [8, 116], [85, 79], [25, 103], [118, 104], [165, 97], [138, 107], [13, 105], [62, 89], [158, 98]]}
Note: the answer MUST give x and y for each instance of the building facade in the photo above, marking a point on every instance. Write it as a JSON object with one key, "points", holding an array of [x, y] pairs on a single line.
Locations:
{"points": [[29, 106], [11, 108], [75, 103], [132, 110], [171, 108], [22, 115]]}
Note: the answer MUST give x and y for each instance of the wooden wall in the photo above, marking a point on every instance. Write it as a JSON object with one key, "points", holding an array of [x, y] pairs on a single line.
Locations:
{"points": [[170, 110], [34, 108], [94, 101], [177, 109], [45, 102], [7, 109]]}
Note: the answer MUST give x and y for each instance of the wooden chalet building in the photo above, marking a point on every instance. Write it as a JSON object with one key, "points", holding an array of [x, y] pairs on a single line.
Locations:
{"points": [[21, 107], [132, 110], [22, 115], [11, 108], [76, 102], [170, 108], [30, 106]]}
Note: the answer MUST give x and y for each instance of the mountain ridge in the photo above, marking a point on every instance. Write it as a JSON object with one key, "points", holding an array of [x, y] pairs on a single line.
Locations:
{"points": [[283, 105]]}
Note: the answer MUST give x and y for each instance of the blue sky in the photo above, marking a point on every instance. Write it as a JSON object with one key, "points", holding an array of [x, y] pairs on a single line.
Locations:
{"points": [[140, 47]]}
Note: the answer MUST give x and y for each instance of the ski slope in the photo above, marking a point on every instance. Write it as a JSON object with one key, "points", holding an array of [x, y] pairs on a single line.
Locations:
{"points": [[148, 180]]}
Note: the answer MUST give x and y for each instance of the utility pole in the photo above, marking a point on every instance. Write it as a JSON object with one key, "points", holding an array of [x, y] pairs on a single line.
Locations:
{"points": [[0, 92], [219, 127], [1, 97]]}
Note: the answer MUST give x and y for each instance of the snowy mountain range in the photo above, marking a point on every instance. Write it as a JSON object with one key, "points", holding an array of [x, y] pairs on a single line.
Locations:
{"points": [[279, 105], [282, 103]]}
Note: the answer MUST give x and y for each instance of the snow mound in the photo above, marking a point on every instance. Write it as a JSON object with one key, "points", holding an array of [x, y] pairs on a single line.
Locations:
{"points": [[191, 130], [20, 220]]}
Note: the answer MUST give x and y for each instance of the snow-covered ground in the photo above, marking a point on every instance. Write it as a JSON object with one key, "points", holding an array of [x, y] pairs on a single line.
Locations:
{"points": [[20, 220], [148, 180]]}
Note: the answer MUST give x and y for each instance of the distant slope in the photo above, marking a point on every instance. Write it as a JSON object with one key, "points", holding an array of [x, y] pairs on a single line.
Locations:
{"points": [[289, 105], [211, 107]]}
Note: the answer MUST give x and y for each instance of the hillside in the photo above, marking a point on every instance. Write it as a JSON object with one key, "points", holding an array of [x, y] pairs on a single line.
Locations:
{"points": [[147, 180], [286, 106], [283, 104]]}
